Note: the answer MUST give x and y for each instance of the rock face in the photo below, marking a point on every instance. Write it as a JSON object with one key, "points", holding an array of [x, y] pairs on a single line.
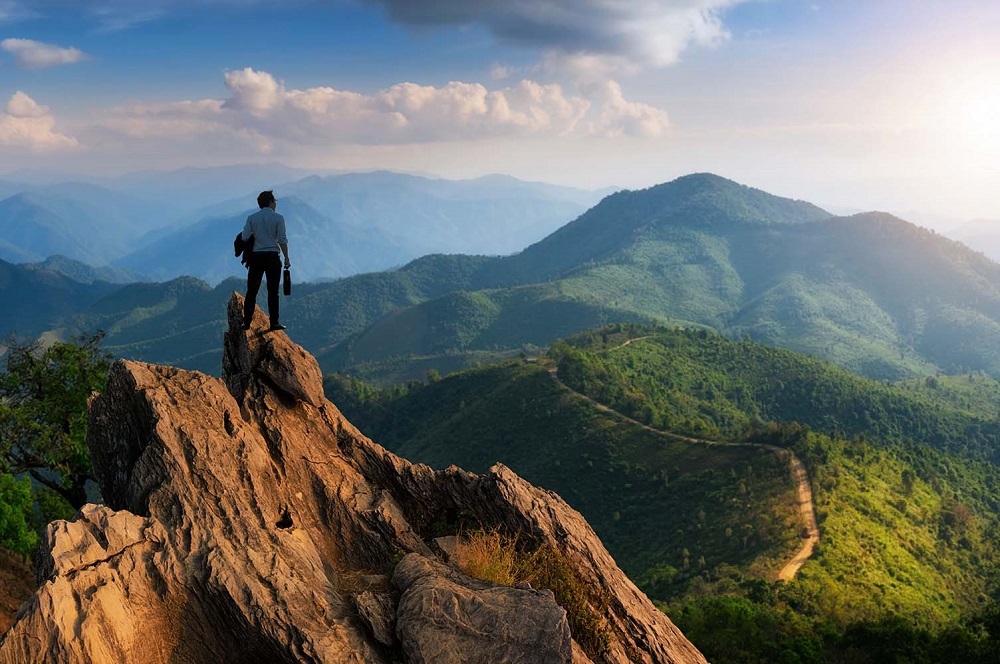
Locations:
{"points": [[248, 521], [15, 586]]}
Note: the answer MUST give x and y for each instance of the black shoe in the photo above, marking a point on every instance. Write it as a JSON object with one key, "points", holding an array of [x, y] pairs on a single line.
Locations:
{"points": [[246, 327], [277, 326]]}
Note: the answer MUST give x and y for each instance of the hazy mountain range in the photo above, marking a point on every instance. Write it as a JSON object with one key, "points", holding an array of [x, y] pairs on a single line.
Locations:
{"points": [[981, 234], [164, 225], [869, 292]]}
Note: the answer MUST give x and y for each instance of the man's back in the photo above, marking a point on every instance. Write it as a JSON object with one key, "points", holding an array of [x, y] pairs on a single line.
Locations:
{"points": [[267, 228]]}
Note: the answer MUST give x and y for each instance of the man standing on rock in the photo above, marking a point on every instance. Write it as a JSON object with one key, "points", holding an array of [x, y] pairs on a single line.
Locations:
{"points": [[268, 230]]}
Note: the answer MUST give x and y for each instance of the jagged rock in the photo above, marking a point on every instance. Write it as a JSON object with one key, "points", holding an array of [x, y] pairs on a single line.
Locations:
{"points": [[378, 612], [445, 546], [241, 513], [446, 617]]}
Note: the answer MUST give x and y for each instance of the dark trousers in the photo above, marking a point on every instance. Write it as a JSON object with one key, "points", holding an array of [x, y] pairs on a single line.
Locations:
{"points": [[260, 264]]}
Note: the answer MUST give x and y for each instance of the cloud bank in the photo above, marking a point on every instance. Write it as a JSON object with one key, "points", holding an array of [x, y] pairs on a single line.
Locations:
{"points": [[259, 108], [32, 54], [26, 124]]}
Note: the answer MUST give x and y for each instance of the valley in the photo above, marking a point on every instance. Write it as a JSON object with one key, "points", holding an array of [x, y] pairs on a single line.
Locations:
{"points": [[896, 515], [767, 412], [800, 478]]}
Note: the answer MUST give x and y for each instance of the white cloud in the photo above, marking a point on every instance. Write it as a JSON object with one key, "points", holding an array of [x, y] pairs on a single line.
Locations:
{"points": [[254, 91], [26, 124], [622, 117], [37, 55], [259, 108]]}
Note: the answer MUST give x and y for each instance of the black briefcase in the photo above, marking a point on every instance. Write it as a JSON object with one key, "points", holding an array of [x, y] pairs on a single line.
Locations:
{"points": [[286, 279]]}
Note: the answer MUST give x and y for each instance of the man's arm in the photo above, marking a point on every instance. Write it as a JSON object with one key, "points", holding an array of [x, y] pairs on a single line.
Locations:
{"points": [[247, 230], [282, 240]]}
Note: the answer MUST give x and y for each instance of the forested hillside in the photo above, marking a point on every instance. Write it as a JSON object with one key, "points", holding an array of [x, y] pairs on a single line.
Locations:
{"points": [[35, 299], [908, 519], [871, 293], [697, 382]]}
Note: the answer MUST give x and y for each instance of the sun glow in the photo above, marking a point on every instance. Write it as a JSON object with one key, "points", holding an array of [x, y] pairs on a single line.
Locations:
{"points": [[971, 109]]}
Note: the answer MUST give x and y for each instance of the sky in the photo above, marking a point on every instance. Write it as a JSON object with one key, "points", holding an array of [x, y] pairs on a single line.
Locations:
{"points": [[850, 104]]}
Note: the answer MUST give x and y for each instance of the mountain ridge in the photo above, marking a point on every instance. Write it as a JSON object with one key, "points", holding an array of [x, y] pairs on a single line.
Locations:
{"points": [[870, 292]]}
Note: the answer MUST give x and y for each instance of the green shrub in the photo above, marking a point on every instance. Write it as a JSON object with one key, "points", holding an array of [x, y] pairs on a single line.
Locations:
{"points": [[16, 533]]}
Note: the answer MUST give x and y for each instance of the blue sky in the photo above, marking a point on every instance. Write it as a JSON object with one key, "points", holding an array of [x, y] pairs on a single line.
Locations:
{"points": [[887, 104]]}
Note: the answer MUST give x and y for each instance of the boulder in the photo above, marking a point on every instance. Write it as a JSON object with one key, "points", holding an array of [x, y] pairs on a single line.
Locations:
{"points": [[242, 512], [446, 617]]}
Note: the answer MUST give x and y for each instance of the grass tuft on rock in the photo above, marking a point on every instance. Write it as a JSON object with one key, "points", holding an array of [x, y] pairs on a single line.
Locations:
{"points": [[494, 557]]}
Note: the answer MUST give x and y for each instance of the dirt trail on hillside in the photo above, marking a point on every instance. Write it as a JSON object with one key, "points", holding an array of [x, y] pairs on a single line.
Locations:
{"points": [[807, 509]]}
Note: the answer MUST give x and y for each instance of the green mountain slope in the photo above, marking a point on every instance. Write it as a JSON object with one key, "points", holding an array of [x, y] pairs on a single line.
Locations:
{"points": [[180, 322], [908, 531], [664, 375], [701, 202], [34, 299], [655, 502], [871, 293]]}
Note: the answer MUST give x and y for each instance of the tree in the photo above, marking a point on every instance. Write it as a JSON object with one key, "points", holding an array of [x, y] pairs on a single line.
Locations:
{"points": [[43, 412], [15, 515]]}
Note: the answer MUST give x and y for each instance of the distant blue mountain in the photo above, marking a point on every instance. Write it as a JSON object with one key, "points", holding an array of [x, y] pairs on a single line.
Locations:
{"points": [[80, 221], [493, 215], [34, 299], [363, 222], [168, 224], [319, 246], [86, 274]]}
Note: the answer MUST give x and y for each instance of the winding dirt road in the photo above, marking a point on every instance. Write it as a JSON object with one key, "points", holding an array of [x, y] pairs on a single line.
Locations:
{"points": [[807, 509]]}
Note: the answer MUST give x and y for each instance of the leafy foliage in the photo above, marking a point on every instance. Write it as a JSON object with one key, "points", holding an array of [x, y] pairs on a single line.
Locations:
{"points": [[16, 533], [696, 382], [731, 629], [43, 412]]}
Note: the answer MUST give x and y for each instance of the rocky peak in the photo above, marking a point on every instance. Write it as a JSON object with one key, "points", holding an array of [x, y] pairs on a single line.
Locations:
{"points": [[248, 521]]}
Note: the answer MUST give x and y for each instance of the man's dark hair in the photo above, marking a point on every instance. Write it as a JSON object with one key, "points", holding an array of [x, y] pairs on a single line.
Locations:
{"points": [[265, 199]]}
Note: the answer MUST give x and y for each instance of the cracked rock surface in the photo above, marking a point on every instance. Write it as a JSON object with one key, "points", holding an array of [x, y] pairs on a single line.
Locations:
{"points": [[445, 617], [242, 513]]}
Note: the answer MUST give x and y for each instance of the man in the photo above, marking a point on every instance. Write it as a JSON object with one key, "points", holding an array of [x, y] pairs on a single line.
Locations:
{"points": [[268, 230]]}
